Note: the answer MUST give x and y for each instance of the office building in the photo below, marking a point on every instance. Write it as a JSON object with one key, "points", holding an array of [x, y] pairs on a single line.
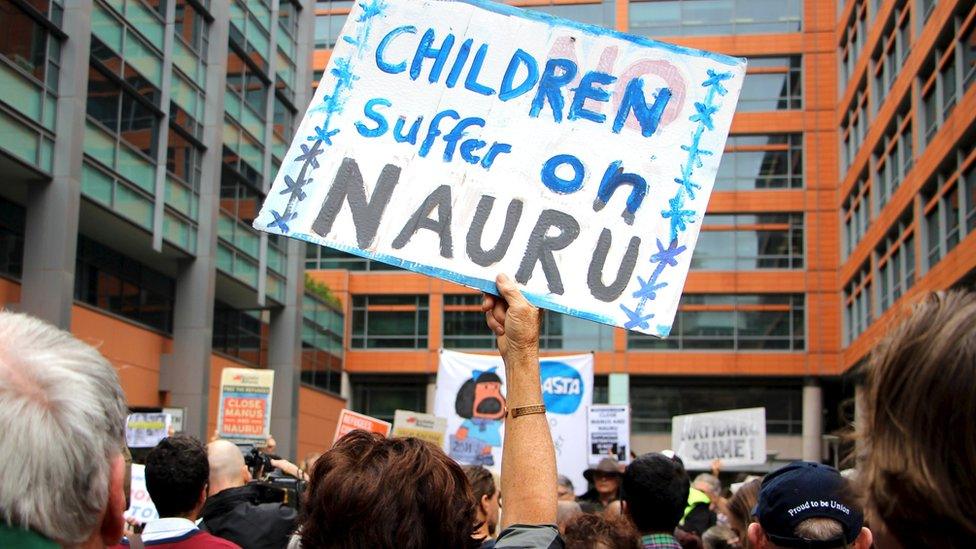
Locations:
{"points": [[846, 188], [137, 141]]}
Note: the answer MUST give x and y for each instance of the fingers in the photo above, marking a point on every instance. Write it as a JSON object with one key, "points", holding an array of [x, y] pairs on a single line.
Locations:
{"points": [[509, 291], [496, 327]]}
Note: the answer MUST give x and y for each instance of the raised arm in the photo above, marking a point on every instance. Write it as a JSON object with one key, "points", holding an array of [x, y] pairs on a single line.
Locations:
{"points": [[528, 458]]}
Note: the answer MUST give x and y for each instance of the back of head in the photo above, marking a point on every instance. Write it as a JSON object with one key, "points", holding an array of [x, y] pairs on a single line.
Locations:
{"points": [[588, 531], [62, 419], [719, 537], [370, 491], [708, 483], [177, 471], [481, 481], [807, 504], [741, 504], [226, 465], [918, 464], [655, 489]]}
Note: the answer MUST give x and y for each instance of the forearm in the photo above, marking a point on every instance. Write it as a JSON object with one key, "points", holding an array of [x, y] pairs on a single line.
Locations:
{"points": [[528, 457]]}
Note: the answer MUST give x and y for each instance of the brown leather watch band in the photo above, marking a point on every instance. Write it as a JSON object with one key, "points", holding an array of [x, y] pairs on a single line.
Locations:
{"points": [[528, 410]]}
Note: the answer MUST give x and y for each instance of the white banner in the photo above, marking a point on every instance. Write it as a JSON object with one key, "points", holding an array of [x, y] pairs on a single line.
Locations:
{"points": [[471, 395], [145, 430], [141, 506], [737, 437], [463, 139], [609, 432]]}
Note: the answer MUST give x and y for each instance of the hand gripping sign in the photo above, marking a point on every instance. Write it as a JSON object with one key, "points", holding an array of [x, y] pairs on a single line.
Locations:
{"points": [[462, 139]]}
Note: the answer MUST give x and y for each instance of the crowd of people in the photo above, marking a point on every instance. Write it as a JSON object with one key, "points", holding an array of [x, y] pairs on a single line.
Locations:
{"points": [[63, 465]]}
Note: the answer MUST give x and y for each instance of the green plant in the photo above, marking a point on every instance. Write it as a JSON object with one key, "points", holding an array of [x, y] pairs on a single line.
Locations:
{"points": [[321, 291]]}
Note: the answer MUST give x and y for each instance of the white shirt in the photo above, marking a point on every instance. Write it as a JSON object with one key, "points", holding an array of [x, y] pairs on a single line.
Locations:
{"points": [[165, 528]]}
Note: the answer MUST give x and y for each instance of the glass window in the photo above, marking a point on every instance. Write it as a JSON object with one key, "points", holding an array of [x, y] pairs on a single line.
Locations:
{"points": [[464, 328], [947, 220], [12, 221], [327, 29], [122, 111], [247, 84], [111, 281], [769, 322], [711, 17], [192, 27], [771, 84], [32, 47], [380, 397], [750, 242], [858, 308], [773, 161], [322, 257], [322, 330], [389, 321], [242, 334], [655, 400], [894, 155]]}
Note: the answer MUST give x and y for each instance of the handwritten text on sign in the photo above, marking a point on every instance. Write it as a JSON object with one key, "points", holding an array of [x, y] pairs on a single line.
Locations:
{"points": [[245, 403], [462, 139], [737, 437]]}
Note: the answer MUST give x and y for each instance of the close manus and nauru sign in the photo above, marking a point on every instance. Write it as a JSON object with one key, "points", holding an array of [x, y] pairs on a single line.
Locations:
{"points": [[462, 139]]}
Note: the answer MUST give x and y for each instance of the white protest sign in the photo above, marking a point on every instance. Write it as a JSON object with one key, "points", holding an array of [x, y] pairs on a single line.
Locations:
{"points": [[737, 437], [463, 139], [176, 415], [470, 393], [145, 430], [141, 507], [609, 432], [423, 426], [244, 413]]}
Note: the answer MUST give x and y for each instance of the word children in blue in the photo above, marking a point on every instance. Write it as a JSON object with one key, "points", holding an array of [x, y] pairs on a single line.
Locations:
{"points": [[522, 76]]}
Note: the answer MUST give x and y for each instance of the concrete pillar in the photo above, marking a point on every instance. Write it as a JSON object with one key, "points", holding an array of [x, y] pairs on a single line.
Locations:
{"points": [[186, 373], [812, 420], [618, 389], [285, 343], [431, 394], [51, 228], [285, 355], [345, 388]]}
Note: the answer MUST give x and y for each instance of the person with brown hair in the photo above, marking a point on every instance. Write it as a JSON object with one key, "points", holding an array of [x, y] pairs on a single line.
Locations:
{"points": [[369, 491], [741, 504], [487, 496], [917, 458], [590, 531]]}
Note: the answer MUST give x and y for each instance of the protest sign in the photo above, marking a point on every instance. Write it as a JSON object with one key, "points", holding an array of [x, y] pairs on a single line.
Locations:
{"points": [[737, 437], [245, 404], [350, 421], [609, 432], [470, 393], [423, 426], [463, 139], [141, 507], [176, 418], [145, 430]]}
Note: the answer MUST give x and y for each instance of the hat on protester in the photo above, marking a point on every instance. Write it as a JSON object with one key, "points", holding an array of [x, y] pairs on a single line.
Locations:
{"points": [[607, 466], [804, 490]]}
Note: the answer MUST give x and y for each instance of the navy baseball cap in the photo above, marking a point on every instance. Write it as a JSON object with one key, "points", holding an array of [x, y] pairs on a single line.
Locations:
{"points": [[804, 490]]}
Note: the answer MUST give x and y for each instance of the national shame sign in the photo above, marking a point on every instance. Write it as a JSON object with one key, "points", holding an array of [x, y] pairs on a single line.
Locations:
{"points": [[463, 139]]}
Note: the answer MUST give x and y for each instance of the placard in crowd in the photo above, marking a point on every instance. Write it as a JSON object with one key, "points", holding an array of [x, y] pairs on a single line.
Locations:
{"points": [[350, 421], [423, 426], [609, 432], [463, 139], [737, 437], [245, 404], [145, 430], [471, 395]]}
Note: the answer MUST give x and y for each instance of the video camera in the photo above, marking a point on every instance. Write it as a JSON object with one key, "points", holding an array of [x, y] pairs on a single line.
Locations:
{"points": [[273, 486]]}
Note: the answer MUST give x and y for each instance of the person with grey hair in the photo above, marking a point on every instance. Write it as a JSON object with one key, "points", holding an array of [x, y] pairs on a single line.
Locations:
{"points": [[62, 415], [564, 489]]}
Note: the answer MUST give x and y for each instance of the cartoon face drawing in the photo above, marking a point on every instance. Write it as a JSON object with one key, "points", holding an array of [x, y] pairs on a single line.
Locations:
{"points": [[481, 403], [488, 400]]}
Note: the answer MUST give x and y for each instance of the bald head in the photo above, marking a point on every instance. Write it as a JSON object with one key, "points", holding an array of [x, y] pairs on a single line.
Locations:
{"points": [[227, 469]]}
